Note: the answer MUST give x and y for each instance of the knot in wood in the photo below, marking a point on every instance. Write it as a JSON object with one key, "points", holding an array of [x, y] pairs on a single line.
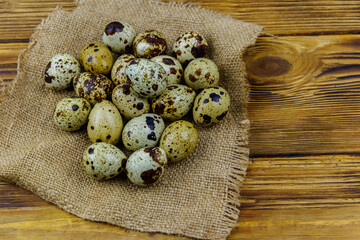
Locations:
{"points": [[269, 66]]}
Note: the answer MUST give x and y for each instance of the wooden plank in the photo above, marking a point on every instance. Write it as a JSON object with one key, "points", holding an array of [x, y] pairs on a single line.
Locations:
{"points": [[49, 221], [305, 95], [18, 18], [289, 17], [313, 197], [296, 183], [310, 223], [13, 197], [313, 223], [8, 62]]}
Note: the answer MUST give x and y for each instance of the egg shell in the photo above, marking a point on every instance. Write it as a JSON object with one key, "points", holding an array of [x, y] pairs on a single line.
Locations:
{"points": [[147, 78], [188, 46], [172, 67], [128, 102], [60, 71], [105, 123], [174, 103], [103, 161], [118, 36], [96, 58], [146, 166], [71, 113], [118, 70], [179, 140], [93, 87], [149, 44], [201, 73], [210, 106], [143, 131]]}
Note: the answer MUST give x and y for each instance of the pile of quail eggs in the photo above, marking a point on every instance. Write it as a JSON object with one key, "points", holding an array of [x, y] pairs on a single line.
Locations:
{"points": [[137, 102]]}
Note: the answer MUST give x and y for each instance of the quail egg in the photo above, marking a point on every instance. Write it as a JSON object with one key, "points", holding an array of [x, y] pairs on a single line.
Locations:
{"points": [[179, 140], [210, 106], [149, 44], [96, 58], [60, 71], [71, 113], [172, 67], [143, 131], [128, 102], [105, 123], [103, 161], [146, 165], [189, 46], [93, 87], [174, 103], [118, 36], [201, 73], [147, 78], [118, 70]]}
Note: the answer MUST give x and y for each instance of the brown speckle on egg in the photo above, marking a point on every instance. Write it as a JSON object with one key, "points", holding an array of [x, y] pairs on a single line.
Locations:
{"points": [[93, 87], [68, 116], [150, 176], [128, 102], [106, 161], [147, 78], [149, 44], [179, 140], [107, 121], [201, 73], [211, 106], [145, 166], [118, 36], [189, 46], [113, 28], [59, 73], [174, 103], [142, 131], [99, 61]]}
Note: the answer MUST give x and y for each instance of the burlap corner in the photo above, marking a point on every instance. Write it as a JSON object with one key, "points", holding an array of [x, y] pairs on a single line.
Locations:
{"points": [[198, 197]]}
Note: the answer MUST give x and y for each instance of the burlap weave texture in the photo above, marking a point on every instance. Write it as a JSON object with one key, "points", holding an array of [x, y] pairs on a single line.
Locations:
{"points": [[198, 197]]}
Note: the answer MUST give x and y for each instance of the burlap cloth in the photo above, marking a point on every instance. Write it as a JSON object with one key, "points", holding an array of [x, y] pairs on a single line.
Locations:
{"points": [[198, 197]]}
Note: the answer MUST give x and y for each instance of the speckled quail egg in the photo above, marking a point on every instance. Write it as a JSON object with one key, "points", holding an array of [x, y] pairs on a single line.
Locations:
{"points": [[189, 46], [147, 78], [105, 123], [149, 44], [143, 131], [210, 106], [96, 58], [128, 102], [172, 67], [71, 113], [60, 71], [118, 70], [119, 36], [201, 73], [146, 165], [93, 87], [179, 140], [174, 103], [103, 161]]}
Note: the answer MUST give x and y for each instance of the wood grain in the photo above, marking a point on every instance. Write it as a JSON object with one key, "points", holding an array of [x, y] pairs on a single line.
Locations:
{"points": [[303, 180], [305, 95], [282, 17], [8, 62]]}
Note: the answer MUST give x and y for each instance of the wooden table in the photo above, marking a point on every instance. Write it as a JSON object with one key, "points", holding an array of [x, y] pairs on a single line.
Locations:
{"points": [[304, 178]]}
